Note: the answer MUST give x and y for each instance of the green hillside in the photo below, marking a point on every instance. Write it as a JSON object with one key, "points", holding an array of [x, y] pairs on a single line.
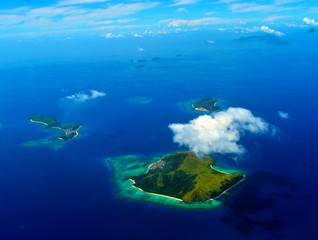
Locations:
{"points": [[183, 175]]}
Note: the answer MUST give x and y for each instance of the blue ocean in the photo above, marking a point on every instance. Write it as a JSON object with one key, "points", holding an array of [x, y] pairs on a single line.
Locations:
{"points": [[67, 193]]}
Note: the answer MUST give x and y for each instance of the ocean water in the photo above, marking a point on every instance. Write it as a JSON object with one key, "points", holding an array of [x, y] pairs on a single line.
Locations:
{"points": [[67, 193]]}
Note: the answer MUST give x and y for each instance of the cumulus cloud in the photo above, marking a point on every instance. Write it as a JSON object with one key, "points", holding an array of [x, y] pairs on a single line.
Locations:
{"points": [[283, 114], [137, 35], [264, 29], [112, 35], [83, 97], [220, 132], [310, 21], [271, 31]]}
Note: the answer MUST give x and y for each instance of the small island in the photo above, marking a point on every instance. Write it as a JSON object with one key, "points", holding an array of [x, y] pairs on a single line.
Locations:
{"points": [[206, 105], [70, 130], [185, 177], [130, 175]]}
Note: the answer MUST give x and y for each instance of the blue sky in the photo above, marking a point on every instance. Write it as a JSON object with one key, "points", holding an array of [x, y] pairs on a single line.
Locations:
{"points": [[119, 18]]}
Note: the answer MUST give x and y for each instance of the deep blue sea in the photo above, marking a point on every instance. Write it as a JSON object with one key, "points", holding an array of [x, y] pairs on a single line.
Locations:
{"points": [[67, 194]]}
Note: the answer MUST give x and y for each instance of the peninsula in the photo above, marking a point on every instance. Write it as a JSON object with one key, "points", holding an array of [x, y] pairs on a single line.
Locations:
{"points": [[183, 176], [206, 105], [70, 130]]}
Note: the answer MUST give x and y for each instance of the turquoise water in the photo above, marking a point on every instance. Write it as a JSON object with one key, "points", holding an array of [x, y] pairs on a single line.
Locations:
{"points": [[131, 165], [69, 194]]}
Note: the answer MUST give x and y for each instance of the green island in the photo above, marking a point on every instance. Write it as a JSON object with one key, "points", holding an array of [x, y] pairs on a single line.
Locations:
{"points": [[70, 130], [179, 180], [206, 105]]}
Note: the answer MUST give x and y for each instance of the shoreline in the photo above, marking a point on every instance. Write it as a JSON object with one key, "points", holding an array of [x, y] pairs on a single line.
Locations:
{"points": [[200, 109], [155, 194], [38, 122], [148, 168], [229, 187], [153, 164], [76, 131], [203, 109], [225, 191], [180, 200]]}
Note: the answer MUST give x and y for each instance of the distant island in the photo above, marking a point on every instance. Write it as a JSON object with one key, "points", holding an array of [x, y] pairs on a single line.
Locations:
{"points": [[185, 177], [206, 105], [70, 130]]}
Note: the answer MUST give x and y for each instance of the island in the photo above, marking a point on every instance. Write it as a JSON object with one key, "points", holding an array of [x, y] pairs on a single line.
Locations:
{"points": [[175, 180], [185, 177], [70, 130], [206, 105]]}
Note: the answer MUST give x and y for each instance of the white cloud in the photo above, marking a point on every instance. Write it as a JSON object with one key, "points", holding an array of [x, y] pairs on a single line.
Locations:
{"points": [[268, 30], [137, 35], [60, 17], [177, 23], [310, 21], [225, 1], [182, 10], [264, 29], [273, 18], [183, 2], [209, 13], [220, 132], [112, 35], [283, 114], [83, 97], [253, 7], [283, 2], [140, 49], [195, 22], [77, 2]]}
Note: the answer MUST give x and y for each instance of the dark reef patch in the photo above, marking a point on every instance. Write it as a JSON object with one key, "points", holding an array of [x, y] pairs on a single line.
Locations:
{"points": [[308, 165], [255, 200]]}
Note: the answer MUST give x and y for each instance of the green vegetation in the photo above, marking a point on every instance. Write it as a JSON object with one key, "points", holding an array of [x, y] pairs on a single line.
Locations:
{"points": [[206, 104], [47, 120], [51, 122], [186, 177]]}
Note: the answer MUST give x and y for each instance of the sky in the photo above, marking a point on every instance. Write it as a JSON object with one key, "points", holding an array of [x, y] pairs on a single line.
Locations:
{"points": [[112, 18]]}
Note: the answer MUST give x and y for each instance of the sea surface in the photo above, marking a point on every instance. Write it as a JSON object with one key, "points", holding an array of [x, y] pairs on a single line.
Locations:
{"points": [[68, 194]]}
